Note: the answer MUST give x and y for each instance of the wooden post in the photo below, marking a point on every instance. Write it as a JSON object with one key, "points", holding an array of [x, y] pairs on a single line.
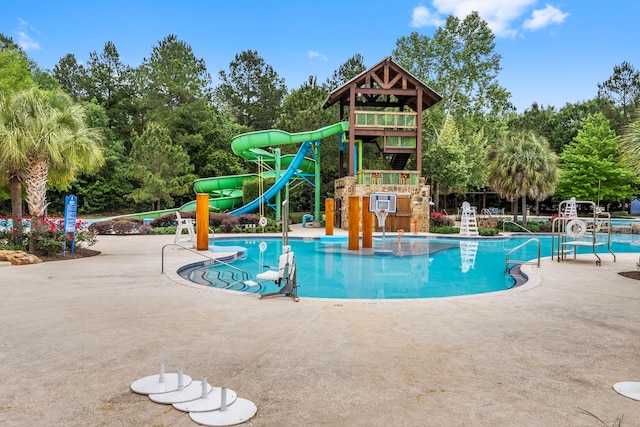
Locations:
{"points": [[329, 215], [354, 223], [202, 222], [367, 224]]}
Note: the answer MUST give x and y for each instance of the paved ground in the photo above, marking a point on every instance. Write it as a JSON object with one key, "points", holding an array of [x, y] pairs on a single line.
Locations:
{"points": [[75, 334]]}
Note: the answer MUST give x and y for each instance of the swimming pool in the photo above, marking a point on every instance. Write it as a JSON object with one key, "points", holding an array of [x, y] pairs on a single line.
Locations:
{"points": [[422, 267]]}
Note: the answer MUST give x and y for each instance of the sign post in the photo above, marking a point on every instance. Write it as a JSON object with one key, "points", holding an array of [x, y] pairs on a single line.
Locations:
{"points": [[70, 210]]}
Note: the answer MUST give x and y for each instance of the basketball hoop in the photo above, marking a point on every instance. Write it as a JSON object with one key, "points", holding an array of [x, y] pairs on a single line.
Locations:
{"points": [[382, 216]]}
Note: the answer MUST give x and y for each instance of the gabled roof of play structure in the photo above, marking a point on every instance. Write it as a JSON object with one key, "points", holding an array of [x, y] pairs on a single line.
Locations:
{"points": [[388, 75]]}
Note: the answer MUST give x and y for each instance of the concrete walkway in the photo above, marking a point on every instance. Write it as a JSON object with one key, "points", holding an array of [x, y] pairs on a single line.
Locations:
{"points": [[75, 334]]}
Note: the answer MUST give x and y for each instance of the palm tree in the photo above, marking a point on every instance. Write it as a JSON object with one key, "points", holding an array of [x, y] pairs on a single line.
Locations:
{"points": [[523, 165], [45, 141], [630, 143]]}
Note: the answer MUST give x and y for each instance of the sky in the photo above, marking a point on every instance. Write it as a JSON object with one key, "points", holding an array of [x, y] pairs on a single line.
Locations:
{"points": [[553, 51]]}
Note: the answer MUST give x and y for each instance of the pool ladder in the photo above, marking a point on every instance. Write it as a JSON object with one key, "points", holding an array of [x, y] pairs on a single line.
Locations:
{"points": [[509, 261]]}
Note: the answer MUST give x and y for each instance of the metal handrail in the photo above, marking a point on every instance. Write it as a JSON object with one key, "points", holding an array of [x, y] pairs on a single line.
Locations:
{"points": [[515, 223], [444, 211], [507, 262], [215, 260]]}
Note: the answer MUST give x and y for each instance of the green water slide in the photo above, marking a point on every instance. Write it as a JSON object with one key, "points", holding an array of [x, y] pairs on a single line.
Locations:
{"points": [[225, 192], [250, 147]]}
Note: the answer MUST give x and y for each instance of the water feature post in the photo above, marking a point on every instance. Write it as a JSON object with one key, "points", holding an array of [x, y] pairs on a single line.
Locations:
{"points": [[367, 224], [329, 214], [354, 223], [202, 222]]}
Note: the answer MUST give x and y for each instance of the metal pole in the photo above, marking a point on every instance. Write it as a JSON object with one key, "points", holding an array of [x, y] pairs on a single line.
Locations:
{"points": [[285, 222]]}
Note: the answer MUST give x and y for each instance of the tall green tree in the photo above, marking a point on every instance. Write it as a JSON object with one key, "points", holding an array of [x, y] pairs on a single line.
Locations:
{"points": [[172, 77], [176, 91], [252, 91], [591, 165], [72, 77], [15, 72], [622, 89], [302, 108], [460, 63], [522, 165], [112, 83], [45, 142], [446, 161], [345, 72], [161, 168]]}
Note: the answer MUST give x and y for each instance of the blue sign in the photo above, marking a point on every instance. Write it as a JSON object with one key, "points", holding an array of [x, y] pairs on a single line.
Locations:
{"points": [[70, 209]]}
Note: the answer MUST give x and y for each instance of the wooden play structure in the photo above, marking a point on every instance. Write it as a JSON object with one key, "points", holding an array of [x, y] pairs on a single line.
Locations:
{"points": [[383, 154]]}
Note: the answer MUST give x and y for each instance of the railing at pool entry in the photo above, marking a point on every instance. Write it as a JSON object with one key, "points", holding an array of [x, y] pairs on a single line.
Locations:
{"points": [[210, 260], [516, 224], [514, 262]]}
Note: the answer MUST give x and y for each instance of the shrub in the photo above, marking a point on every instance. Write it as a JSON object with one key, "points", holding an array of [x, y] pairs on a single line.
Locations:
{"points": [[49, 237], [102, 227], [488, 231], [123, 226], [620, 214], [144, 229], [440, 220], [445, 229], [534, 226], [215, 219], [164, 220], [163, 230], [229, 224], [248, 219]]}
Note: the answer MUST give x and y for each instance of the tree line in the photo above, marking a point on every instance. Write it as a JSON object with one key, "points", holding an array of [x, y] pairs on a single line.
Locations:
{"points": [[156, 127]]}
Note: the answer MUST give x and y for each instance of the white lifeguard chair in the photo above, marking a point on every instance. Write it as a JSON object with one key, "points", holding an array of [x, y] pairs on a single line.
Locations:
{"points": [[571, 209], [468, 221], [184, 224]]}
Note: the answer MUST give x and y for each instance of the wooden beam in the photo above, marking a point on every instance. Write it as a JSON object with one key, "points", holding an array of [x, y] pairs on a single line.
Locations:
{"points": [[392, 91], [419, 132], [352, 136]]}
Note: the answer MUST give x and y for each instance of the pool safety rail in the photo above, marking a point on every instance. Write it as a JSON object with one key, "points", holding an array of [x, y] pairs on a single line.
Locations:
{"points": [[516, 224], [568, 231], [509, 261]]}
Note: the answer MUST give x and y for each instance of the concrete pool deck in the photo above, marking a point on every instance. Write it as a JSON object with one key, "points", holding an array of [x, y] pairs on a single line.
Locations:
{"points": [[77, 333]]}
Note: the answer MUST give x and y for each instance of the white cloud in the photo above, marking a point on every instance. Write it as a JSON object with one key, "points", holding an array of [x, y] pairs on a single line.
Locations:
{"points": [[24, 40], [422, 17], [313, 54], [543, 17], [499, 14], [504, 17]]}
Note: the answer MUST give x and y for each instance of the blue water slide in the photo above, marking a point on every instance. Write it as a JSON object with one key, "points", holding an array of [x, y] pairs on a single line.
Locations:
{"points": [[279, 185]]}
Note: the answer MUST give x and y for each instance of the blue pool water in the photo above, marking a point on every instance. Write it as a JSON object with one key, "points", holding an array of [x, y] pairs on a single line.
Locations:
{"points": [[420, 267]]}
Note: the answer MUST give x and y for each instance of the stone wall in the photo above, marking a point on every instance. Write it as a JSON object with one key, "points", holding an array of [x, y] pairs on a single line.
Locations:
{"points": [[347, 186]]}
